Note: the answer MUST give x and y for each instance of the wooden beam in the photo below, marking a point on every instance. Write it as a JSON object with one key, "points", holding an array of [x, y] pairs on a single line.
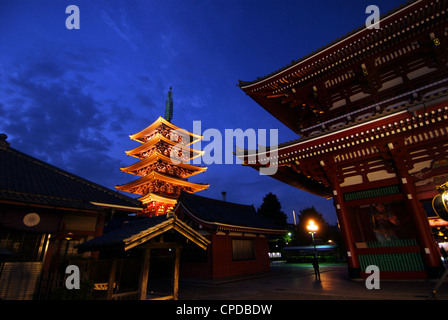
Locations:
{"points": [[163, 298], [110, 284], [277, 95], [152, 232], [176, 275], [144, 275], [162, 245], [199, 242]]}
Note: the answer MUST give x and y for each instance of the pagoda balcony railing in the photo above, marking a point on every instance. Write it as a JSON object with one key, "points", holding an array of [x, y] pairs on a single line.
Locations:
{"points": [[170, 135]]}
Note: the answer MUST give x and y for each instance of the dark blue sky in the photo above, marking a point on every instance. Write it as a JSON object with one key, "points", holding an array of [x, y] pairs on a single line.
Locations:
{"points": [[72, 97]]}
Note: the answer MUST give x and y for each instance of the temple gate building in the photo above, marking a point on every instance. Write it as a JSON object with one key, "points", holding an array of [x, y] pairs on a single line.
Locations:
{"points": [[163, 168], [371, 111]]}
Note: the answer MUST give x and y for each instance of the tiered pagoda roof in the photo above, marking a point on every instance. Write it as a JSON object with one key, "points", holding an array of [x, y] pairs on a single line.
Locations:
{"points": [[163, 168], [146, 134], [161, 162]]}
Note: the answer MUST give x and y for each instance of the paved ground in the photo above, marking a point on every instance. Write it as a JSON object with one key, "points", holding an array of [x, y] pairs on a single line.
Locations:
{"points": [[297, 282]]}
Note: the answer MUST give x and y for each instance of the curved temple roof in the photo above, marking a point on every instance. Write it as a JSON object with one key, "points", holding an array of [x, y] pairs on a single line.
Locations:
{"points": [[365, 74], [140, 231], [161, 121], [159, 176], [158, 156], [325, 49], [225, 215], [26, 179]]}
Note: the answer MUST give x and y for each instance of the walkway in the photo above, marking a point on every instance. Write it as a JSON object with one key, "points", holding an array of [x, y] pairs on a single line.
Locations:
{"points": [[297, 282]]}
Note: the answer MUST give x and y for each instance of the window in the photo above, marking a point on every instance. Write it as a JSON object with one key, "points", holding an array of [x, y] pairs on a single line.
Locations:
{"points": [[243, 249], [24, 246]]}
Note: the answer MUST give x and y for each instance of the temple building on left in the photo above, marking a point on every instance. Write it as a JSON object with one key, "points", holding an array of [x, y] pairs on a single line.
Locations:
{"points": [[44, 212]]}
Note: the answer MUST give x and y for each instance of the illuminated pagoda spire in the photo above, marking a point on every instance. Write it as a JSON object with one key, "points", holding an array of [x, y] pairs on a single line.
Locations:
{"points": [[163, 167], [169, 106]]}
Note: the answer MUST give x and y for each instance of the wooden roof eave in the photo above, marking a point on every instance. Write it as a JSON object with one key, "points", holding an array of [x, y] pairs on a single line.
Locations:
{"points": [[144, 147], [160, 120], [115, 206], [158, 176], [298, 181], [170, 223], [158, 156], [154, 140], [154, 197], [219, 225], [49, 206], [309, 60]]}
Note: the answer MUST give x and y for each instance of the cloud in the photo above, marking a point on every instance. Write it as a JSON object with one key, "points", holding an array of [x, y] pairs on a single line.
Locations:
{"points": [[122, 29], [49, 111]]}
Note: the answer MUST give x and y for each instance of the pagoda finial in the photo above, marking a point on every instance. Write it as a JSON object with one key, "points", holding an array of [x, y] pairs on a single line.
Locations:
{"points": [[169, 106]]}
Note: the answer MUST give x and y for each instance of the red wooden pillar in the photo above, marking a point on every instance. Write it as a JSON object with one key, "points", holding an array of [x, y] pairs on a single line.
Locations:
{"points": [[344, 223], [430, 252], [331, 172]]}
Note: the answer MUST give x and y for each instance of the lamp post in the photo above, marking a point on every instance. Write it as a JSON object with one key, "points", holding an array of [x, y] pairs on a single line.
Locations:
{"points": [[312, 229]]}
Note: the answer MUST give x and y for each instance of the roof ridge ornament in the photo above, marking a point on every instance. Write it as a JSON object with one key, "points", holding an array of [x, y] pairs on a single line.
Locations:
{"points": [[3, 143], [170, 214]]}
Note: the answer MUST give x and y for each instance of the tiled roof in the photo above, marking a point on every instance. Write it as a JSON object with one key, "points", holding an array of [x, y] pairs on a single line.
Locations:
{"points": [[29, 180], [121, 229], [225, 214], [242, 83]]}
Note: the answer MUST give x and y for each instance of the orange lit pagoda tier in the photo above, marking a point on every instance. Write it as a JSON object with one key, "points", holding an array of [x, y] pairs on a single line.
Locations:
{"points": [[163, 168]]}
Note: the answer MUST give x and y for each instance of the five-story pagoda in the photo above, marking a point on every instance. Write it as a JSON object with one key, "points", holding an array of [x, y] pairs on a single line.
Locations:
{"points": [[163, 168]]}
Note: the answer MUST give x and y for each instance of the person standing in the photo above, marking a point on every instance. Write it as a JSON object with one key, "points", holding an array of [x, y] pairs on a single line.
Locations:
{"points": [[316, 267]]}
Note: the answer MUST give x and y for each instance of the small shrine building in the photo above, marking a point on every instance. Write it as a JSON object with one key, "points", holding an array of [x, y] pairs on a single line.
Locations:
{"points": [[370, 110], [239, 237]]}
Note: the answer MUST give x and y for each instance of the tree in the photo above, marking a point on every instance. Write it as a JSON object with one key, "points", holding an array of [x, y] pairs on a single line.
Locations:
{"points": [[272, 209], [302, 234]]}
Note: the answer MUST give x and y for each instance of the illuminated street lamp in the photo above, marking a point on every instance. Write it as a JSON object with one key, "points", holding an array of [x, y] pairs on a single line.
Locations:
{"points": [[312, 229]]}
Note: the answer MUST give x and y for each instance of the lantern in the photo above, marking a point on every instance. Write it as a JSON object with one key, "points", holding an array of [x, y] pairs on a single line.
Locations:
{"points": [[440, 202]]}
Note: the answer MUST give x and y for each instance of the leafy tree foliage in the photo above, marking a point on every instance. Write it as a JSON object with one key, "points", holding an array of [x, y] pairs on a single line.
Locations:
{"points": [[272, 209], [324, 232]]}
